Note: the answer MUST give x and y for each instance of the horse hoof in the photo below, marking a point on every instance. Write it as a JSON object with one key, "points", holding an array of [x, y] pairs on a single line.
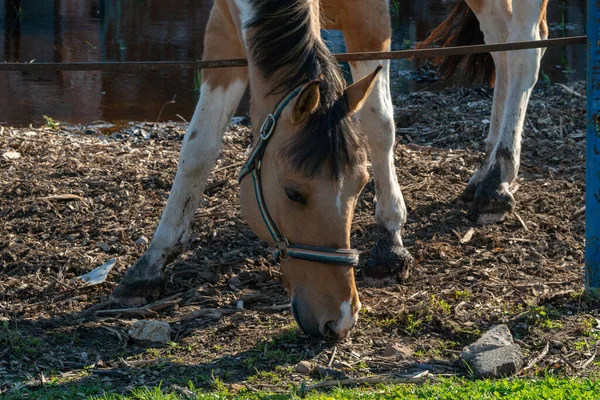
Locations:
{"points": [[388, 264], [467, 196], [136, 293], [487, 210], [142, 282]]}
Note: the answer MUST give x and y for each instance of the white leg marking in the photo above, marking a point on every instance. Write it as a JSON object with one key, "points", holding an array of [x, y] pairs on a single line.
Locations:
{"points": [[516, 74], [377, 118], [494, 21], [201, 146], [523, 69]]}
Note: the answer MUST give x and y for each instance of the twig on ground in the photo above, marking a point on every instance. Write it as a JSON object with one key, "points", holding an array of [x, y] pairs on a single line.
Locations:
{"points": [[128, 312], [592, 358], [181, 118], [569, 90], [521, 221], [538, 358], [370, 381], [330, 363], [230, 166], [172, 101], [569, 363], [58, 197], [579, 212]]}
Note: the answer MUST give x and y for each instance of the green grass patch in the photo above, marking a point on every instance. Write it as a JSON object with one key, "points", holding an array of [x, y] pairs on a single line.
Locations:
{"points": [[449, 389]]}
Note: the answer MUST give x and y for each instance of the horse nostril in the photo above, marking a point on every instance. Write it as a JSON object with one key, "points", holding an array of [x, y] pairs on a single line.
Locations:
{"points": [[331, 333], [328, 330]]}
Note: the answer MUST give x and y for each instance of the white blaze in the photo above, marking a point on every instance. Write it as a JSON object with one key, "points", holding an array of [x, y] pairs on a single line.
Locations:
{"points": [[347, 320]]}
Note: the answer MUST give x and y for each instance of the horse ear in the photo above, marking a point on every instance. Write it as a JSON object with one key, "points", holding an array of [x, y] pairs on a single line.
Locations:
{"points": [[358, 92], [306, 102]]}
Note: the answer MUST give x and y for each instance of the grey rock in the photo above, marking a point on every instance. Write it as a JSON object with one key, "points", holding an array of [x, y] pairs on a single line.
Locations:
{"points": [[141, 241], [496, 363], [494, 355], [330, 372], [397, 351], [150, 333], [497, 336], [303, 367], [235, 282], [104, 247]]}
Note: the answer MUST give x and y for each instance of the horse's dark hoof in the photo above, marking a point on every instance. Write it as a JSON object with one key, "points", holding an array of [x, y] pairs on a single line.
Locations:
{"points": [[388, 263], [142, 283], [467, 195], [489, 208]]}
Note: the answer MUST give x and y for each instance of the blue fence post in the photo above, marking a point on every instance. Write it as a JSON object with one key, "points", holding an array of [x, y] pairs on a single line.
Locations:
{"points": [[592, 167]]}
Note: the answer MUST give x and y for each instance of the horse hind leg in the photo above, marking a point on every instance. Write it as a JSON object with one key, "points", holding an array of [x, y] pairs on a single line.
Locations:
{"points": [[366, 27], [492, 199], [220, 94]]}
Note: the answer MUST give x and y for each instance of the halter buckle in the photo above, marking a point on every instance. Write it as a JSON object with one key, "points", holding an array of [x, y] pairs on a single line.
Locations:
{"points": [[267, 127], [281, 249]]}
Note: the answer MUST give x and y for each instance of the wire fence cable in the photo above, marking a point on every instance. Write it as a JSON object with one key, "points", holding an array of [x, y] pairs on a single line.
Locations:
{"points": [[134, 66]]}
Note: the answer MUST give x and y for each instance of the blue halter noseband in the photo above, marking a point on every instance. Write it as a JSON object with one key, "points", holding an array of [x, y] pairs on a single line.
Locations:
{"points": [[283, 249]]}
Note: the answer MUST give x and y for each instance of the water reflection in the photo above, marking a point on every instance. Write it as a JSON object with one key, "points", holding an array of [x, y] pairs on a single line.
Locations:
{"points": [[135, 30]]}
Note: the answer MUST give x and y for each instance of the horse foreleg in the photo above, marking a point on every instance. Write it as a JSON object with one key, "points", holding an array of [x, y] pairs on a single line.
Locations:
{"points": [[499, 100], [494, 21], [366, 27], [492, 199], [220, 93]]}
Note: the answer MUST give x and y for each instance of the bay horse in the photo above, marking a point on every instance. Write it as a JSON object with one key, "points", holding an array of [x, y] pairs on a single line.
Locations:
{"points": [[312, 135]]}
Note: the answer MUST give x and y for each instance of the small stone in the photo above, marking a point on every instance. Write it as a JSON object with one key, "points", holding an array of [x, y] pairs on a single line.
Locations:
{"points": [[11, 155], [235, 281], [494, 355], [330, 372], [342, 365], [497, 363], [397, 351], [142, 241], [497, 336], [150, 333], [104, 247], [303, 367]]}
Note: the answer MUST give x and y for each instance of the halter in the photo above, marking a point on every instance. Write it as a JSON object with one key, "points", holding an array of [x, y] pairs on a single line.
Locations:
{"points": [[283, 249]]}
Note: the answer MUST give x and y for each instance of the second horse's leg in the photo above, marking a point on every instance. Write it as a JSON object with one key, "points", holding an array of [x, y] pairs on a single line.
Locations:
{"points": [[492, 200]]}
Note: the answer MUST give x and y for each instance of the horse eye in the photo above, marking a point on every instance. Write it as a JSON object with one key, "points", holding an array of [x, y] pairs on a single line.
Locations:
{"points": [[294, 195]]}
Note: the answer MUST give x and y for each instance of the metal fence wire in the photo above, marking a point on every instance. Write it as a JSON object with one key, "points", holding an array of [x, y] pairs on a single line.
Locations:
{"points": [[133, 66]]}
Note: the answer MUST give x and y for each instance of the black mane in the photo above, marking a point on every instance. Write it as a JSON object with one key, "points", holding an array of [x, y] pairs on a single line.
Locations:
{"points": [[288, 54]]}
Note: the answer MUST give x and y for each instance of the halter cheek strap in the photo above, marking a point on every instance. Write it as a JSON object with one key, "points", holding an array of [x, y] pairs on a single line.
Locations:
{"points": [[283, 249]]}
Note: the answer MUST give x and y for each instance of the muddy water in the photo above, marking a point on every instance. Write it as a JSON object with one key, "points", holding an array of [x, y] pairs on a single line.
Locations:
{"points": [[136, 30]]}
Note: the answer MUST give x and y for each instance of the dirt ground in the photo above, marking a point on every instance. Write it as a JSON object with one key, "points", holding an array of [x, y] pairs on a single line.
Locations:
{"points": [[74, 197]]}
